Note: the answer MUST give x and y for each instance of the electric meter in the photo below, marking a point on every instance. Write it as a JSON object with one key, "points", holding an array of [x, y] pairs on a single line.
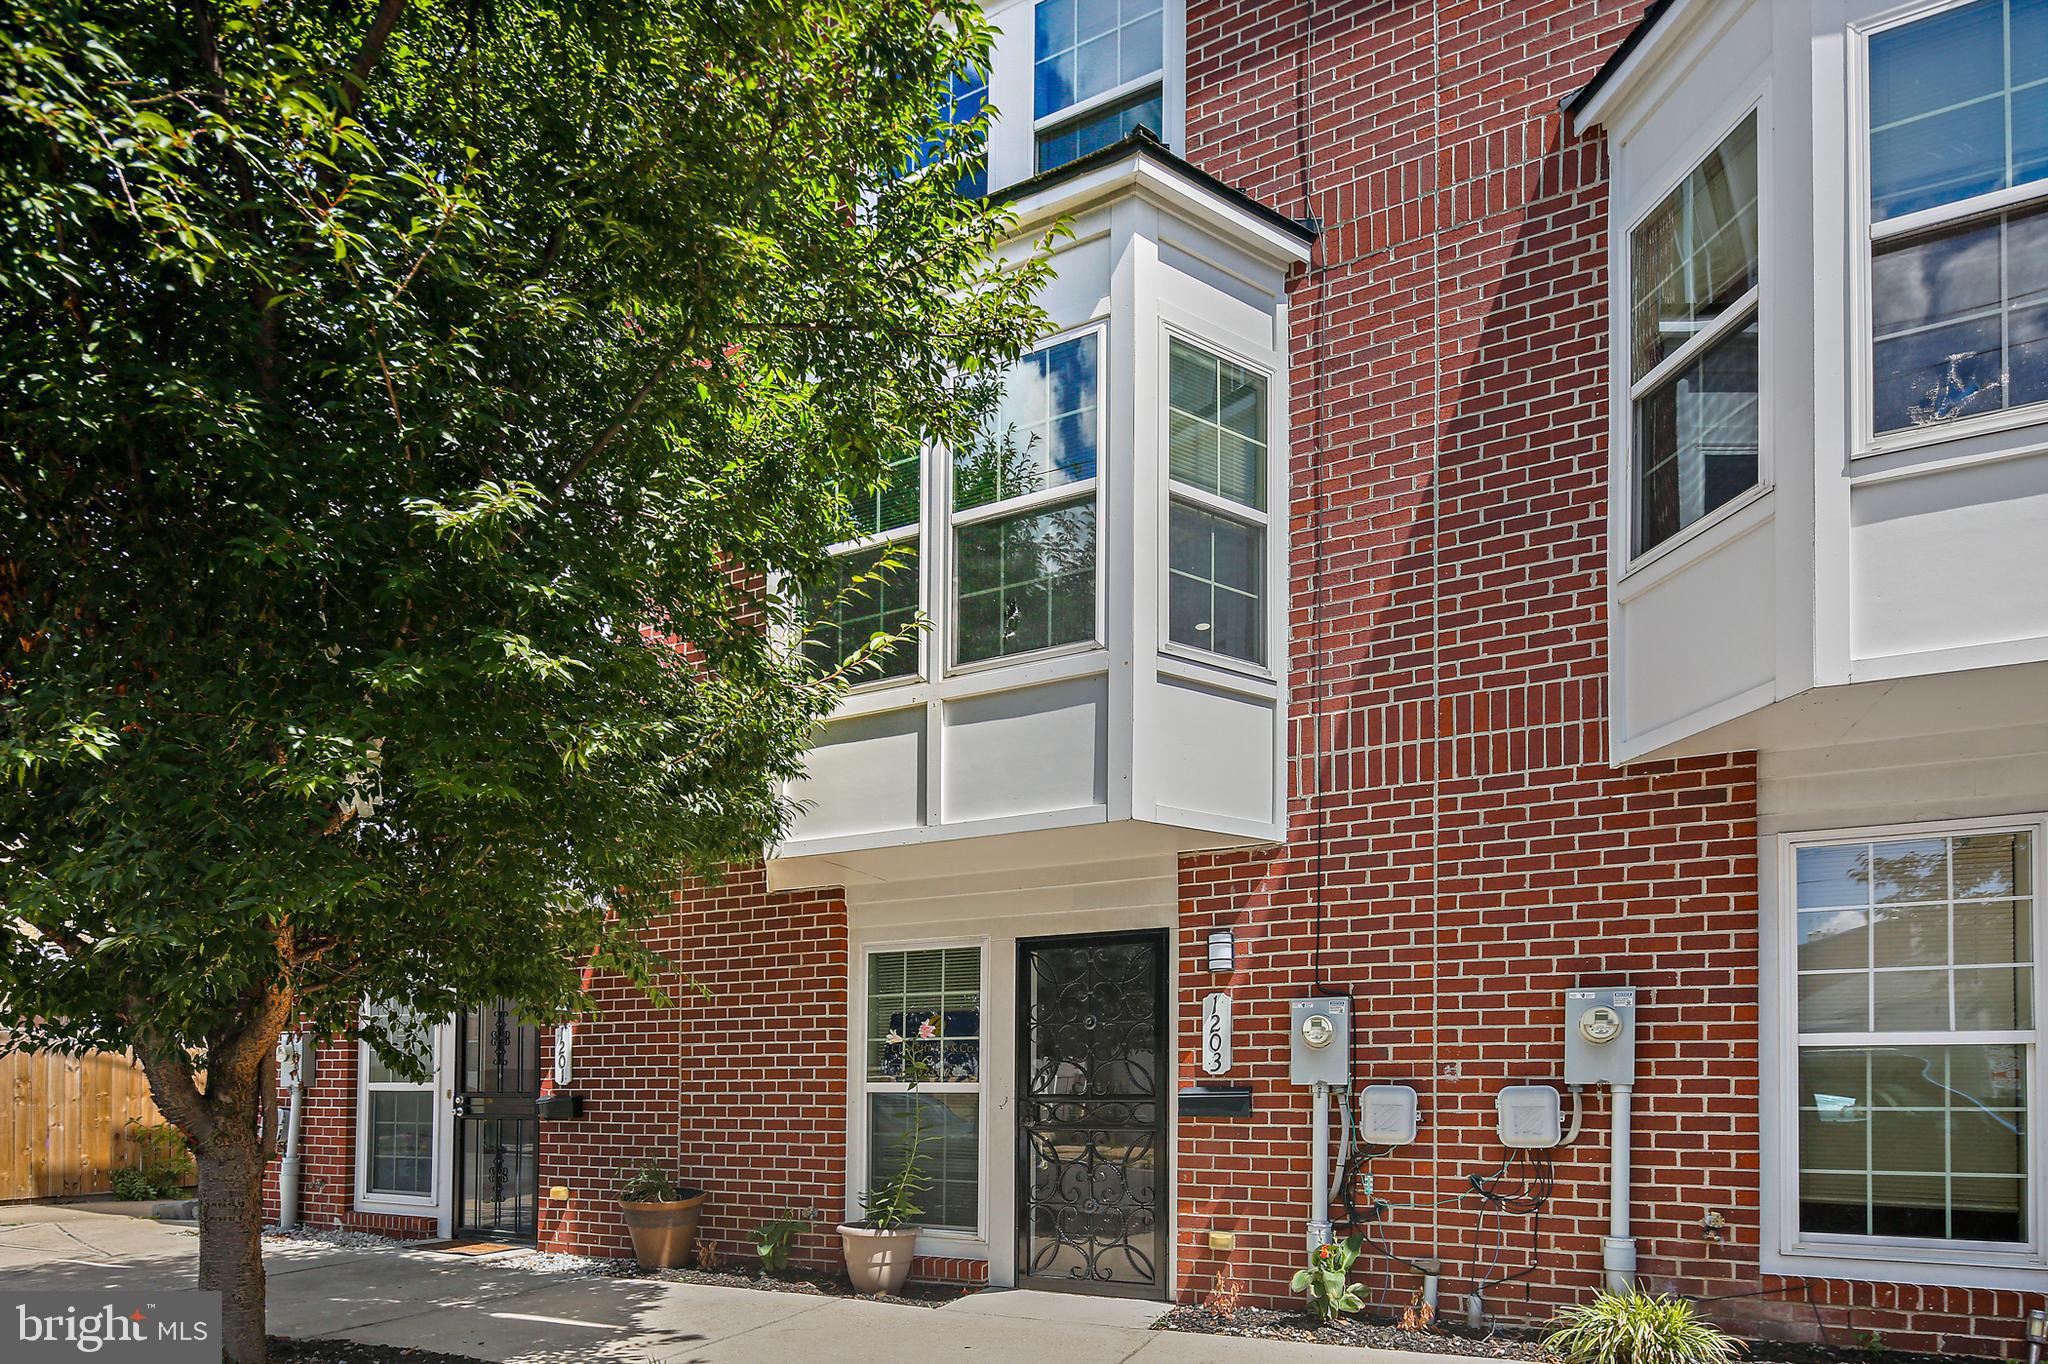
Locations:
{"points": [[1599, 1025], [1600, 1036], [1321, 1040]]}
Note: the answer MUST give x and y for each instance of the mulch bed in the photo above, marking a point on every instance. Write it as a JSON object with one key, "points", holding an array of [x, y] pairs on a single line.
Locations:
{"points": [[284, 1350], [810, 1284], [1445, 1338]]}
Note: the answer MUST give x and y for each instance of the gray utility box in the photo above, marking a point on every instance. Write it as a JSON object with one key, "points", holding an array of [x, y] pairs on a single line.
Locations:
{"points": [[1600, 1036], [1320, 1029]]}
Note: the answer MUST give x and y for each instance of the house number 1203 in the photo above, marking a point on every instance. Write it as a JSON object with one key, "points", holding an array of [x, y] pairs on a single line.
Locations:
{"points": [[1215, 1034]]}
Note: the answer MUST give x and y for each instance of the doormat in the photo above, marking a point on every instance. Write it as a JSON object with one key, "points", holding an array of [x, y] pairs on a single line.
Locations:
{"points": [[468, 1247]]}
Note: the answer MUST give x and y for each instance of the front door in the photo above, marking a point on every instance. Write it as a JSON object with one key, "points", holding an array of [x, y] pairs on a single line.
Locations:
{"points": [[1093, 1193], [497, 1094]]}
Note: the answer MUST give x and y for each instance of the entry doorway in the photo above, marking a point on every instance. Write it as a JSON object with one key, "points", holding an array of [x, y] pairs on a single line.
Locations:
{"points": [[1094, 1195], [497, 1124]]}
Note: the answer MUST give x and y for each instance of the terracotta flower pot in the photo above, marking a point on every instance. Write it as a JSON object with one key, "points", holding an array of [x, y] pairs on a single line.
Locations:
{"points": [[664, 1233], [878, 1261]]}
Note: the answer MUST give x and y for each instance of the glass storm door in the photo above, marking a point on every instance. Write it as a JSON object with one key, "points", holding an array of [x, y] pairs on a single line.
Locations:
{"points": [[497, 1124], [1092, 1153]]}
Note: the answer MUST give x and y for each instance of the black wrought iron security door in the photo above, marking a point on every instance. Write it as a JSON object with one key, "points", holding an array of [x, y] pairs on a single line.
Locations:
{"points": [[497, 1125], [1092, 1153]]}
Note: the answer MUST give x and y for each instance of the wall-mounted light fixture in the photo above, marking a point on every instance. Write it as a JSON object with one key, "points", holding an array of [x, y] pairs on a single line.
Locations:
{"points": [[1222, 950]]}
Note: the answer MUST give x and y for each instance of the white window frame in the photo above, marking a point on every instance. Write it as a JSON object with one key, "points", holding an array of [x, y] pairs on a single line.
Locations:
{"points": [[943, 1240], [1786, 1249], [951, 519], [1866, 236], [1628, 391], [1173, 490], [408, 1205]]}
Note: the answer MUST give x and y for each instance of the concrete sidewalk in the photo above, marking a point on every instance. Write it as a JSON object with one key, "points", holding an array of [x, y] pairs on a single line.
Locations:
{"points": [[497, 1310]]}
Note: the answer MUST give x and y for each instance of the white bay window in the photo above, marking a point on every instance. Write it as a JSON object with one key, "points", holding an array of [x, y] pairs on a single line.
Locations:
{"points": [[1024, 510], [1216, 469]]}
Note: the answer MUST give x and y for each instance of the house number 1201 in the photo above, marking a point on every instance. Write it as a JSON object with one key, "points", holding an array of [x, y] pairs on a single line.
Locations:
{"points": [[1215, 1034]]}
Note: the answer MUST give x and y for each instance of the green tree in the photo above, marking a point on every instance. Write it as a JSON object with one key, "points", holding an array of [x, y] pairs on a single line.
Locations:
{"points": [[410, 409]]}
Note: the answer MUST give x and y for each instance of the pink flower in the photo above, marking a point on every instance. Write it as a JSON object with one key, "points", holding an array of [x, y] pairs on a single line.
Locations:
{"points": [[894, 1039], [926, 1030]]}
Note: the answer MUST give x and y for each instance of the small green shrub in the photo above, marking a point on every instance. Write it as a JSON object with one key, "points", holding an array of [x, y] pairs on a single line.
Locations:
{"points": [[772, 1238], [1638, 1328], [1329, 1293], [163, 1163]]}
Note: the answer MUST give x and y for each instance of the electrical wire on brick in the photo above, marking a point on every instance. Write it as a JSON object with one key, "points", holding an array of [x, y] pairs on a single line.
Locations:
{"points": [[1531, 1196]]}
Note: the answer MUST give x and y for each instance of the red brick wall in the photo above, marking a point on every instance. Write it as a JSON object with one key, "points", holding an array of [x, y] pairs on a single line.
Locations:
{"points": [[1452, 811]]}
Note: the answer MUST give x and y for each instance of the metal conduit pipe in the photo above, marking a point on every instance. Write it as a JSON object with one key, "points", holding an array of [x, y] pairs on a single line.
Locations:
{"points": [[1319, 1168], [1618, 1250], [288, 1168]]}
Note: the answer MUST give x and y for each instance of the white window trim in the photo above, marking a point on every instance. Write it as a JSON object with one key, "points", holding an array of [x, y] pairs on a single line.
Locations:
{"points": [[1272, 571], [930, 1240], [1089, 490], [1878, 1258], [1865, 236], [1625, 390], [407, 1205]]}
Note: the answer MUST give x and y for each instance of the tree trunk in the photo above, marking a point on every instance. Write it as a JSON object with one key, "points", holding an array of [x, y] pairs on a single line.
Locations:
{"points": [[231, 1241]]}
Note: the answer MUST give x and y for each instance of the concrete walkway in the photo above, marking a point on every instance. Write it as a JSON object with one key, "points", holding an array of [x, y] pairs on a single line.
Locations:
{"points": [[496, 1310]]}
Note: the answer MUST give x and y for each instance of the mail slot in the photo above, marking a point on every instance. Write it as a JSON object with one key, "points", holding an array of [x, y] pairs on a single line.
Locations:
{"points": [[1216, 1101]]}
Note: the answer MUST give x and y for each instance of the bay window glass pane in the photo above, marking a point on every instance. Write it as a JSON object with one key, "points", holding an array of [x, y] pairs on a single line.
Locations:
{"points": [[1696, 439], [1092, 132], [869, 592], [401, 1123], [1215, 593], [1913, 1140], [1955, 105], [895, 502], [1026, 582], [946, 1129], [1044, 431], [935, 990], [1960, 321], [1216, 425], [1086, 48], [1696, 253]]}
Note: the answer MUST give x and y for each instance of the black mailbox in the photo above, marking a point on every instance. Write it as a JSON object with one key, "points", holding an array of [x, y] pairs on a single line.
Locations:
{"points": [[559, 1105], [1216, 1101]]}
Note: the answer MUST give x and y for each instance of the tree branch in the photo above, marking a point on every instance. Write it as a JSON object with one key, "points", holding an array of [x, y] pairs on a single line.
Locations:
{"points": [[372, 52], [612, 432]]}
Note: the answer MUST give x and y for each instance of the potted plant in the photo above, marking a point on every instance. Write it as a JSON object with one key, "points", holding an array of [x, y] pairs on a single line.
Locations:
{"points": [[662, 1216], [881, 1246]]}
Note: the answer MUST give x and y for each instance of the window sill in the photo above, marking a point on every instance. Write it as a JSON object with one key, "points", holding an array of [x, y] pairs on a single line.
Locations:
{"points": [[396, 1205], [1695, 541], [1902, 1263], [1190, 664], [1929, 437], [982, 665]]}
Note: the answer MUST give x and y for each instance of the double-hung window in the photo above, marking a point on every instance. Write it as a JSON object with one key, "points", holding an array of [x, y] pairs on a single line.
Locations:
{"points": [[395, 1149], [1693, 291], [923, 1069], [1916, 1038], [1216, 476], [872, 585], [1958, 110], [1024, 509], [1100, 74]]}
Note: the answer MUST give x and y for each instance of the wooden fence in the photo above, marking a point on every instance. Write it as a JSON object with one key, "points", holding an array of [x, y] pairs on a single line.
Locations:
{"points": [[63, 1122]]}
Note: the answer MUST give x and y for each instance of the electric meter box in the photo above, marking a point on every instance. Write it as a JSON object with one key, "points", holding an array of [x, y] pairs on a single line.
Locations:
{"points": [[1320, 1033], [1600, 1036], [1531, 1117], [1386, 1115]]}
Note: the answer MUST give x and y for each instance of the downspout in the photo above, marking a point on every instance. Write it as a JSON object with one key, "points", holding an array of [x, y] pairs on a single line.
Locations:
{"points": [[1618, 1251], [294, 1046]]}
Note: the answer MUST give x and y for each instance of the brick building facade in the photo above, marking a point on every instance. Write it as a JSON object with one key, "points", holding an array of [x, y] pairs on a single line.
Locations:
{"points": [[1468, 824]]}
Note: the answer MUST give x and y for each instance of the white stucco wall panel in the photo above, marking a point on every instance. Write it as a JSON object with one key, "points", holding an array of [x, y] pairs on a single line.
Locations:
{"points": [[865, 776], [1698, 638], [1032, 751]]}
